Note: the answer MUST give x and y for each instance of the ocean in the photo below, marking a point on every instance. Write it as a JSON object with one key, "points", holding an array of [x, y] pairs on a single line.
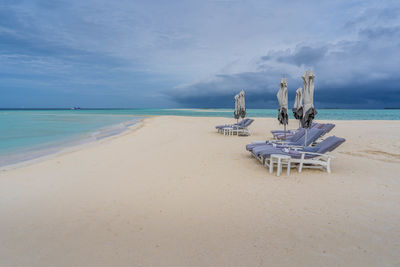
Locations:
{"points": [[28, 134]]}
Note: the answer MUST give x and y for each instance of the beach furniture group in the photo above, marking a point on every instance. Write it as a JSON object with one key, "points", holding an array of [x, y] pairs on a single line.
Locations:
{"points": [[296, 151], [239, 128], [298, 148], [305, 147]]}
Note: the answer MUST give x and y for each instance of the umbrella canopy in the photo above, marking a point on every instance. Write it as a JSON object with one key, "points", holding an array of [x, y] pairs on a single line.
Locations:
{"points": [[309, 111], [237, 108], [283, 103], [242, 110], [298, 104]]}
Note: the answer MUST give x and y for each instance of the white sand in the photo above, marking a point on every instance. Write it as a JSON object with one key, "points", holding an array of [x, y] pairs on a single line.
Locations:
{"points": [[176, 193]]}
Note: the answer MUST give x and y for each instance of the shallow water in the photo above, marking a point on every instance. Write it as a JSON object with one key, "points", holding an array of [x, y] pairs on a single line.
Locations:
{"points": [[30, 134]]}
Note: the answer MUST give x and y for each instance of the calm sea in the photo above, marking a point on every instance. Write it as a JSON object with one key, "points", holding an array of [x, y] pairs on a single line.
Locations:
{"points": [[28, 134]]}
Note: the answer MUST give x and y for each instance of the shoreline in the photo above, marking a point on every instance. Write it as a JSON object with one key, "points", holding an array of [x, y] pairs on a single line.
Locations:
{"points": [[48, 151]]}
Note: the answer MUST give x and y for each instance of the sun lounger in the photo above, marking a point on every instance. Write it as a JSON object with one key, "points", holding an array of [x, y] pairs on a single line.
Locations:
{"points": [[241, 123], [314, 157], [280, 134], [240, 129], [327, 127], [299, 134], [297, 140], [277, 132], [262, 151]]}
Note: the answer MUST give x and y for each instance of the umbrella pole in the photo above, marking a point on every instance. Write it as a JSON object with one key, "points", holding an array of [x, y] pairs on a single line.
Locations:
{"points": [[284, 130]]}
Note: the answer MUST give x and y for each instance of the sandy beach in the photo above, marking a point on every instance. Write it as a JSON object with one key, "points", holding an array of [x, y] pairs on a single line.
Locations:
{"points": [[174, 192]]}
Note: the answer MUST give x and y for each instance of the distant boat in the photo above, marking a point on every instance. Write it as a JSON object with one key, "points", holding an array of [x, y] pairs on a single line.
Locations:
{"points": [[75, 108]]}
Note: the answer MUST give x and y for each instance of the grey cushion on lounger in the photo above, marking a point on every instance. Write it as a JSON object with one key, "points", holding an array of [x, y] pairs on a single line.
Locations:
{"points": [[294, 138], [327, 145], [279, 132], [312, 136], [240, 124]]}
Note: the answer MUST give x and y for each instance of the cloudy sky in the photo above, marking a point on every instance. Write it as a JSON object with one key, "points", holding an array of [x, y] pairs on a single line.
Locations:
{"points": [[101, 53]]}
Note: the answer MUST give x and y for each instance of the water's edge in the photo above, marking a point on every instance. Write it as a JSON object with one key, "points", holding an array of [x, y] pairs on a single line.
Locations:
{"points": [[41, 152]]}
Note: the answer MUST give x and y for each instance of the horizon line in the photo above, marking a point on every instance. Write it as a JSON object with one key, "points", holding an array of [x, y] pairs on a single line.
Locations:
{"points": [[102, 108]]}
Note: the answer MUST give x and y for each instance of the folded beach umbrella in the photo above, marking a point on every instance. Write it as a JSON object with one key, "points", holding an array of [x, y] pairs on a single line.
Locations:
{"points": [[298, 105], [283, 104], [309, 111], [236, 113], [242, 110]]}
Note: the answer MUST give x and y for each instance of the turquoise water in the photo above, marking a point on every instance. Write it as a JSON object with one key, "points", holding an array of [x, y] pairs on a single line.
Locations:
{"points": [[26, 134], [29, 134], [323, 114]]}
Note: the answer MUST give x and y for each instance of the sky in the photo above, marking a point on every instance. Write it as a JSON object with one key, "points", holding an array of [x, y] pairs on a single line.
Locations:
{"points": [[183, 54]]}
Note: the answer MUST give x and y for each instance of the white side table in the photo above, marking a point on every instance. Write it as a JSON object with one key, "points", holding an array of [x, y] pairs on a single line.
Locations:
{"points": [[279, 160]]}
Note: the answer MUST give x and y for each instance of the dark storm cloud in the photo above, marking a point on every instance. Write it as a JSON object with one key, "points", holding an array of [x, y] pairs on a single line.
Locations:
{"points": [[359, 73], [304, 55], [373, 95]]}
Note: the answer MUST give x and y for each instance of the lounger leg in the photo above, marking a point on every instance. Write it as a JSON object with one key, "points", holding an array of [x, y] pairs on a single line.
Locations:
{"points": [[288, 168], [271, 165], [301, 163], [279, 168], [328, 165]]}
